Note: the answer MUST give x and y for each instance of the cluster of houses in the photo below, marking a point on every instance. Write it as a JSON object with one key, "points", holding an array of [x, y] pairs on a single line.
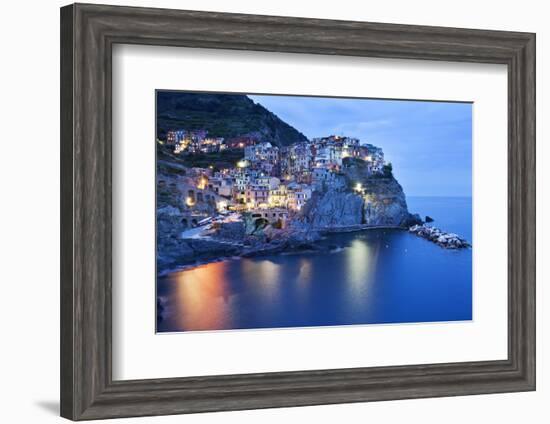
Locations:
{"points": [[249, 189], [194, 142], [269, 181]]}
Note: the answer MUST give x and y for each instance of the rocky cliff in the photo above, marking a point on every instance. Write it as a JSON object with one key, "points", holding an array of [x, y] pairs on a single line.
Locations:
{"points": [[333, 209], [367, 199], [385, 203]]}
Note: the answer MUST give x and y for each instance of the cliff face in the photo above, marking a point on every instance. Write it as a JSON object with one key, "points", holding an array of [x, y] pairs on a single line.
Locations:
{"points": [[333, 209], [380, 203], [385, 202], [223, 115]]}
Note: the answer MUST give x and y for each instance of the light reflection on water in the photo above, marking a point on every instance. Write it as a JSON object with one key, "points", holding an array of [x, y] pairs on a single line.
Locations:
{"points": [[202, 299], [373, 278], [361, 262], [218, 295], [304, 275], [377, 276], [380, 277], [262, 274]]}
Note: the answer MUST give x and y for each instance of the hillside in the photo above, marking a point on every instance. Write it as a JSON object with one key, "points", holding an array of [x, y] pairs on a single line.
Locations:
{"points": [[223, 115]]}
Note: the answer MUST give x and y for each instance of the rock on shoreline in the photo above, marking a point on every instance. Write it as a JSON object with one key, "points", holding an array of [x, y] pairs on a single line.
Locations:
{"points": [[441, 238], [242, 238]]}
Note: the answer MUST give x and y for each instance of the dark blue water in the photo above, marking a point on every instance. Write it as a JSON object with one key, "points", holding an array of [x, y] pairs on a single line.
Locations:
{"points": [[375, 276]]}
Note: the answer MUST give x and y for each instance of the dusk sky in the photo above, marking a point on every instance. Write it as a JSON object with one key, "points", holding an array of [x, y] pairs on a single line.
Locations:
{"points": [[428, 143]]}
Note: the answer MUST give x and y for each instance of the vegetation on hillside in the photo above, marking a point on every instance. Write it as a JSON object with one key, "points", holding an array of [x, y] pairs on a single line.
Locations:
{"points": [[222, 115]]}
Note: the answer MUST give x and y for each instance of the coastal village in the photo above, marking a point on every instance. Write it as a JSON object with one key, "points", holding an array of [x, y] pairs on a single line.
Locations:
{"points": [[245, 196], [269, 182]]}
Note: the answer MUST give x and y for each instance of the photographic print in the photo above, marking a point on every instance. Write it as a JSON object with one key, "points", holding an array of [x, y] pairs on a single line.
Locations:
{"points": [[286, 211]]}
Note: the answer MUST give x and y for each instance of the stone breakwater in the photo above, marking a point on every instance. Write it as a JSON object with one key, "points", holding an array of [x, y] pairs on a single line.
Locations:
{"points": [[441, 238]]}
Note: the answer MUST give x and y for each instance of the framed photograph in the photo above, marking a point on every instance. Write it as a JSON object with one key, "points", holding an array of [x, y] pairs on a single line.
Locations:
{"points": [[262, 226], [268, 211]]}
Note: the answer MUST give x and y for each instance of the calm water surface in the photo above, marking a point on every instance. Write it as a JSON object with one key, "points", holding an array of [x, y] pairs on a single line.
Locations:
{"points": [[374, 276]]}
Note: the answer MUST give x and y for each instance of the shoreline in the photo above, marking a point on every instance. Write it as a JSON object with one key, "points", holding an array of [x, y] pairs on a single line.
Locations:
{"points": [[306, 247], [361, 227], [191, 266]]}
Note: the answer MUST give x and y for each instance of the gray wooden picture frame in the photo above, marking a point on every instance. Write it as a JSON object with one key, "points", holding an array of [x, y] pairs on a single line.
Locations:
{"points": [[88, 33]]}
